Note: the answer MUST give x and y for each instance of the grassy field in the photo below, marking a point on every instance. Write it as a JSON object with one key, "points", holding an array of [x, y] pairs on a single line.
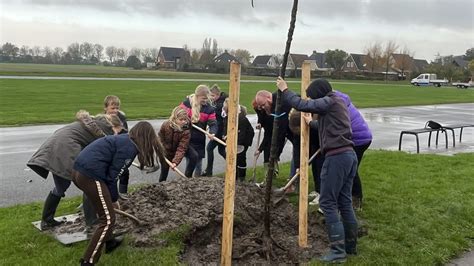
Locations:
{"points": [[56, 101], [417, 210], [102, 71]]}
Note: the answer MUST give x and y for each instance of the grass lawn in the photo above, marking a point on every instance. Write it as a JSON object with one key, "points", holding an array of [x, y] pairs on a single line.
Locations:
{"points": [[418, 209], [56, 101], [7, 69]]}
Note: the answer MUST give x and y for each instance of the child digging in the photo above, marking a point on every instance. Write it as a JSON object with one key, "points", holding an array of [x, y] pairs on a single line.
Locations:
{"points": [[174, 134], [96, 172]]}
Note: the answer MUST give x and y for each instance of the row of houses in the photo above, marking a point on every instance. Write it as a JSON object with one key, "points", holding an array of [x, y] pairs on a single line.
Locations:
{"points": [[399, 64]]}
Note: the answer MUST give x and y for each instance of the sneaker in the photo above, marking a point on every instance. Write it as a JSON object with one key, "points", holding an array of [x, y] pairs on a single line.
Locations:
{"points": [[260, 185], [112, 244], [315, 201], [124, 196], [313, 194], [320, 211], [206, 173]]}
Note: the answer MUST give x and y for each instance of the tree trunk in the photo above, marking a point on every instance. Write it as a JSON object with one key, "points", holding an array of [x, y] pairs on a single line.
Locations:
{"points": [[274, 148]]}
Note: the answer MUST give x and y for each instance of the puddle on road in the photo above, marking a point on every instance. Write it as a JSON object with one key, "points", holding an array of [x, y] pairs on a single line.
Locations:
{"points": [[377, 117]]}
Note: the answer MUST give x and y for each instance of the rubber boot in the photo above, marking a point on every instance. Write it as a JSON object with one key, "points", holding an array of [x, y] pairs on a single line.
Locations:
{"points": [[49, 210], [350, 232], [85, 263], [356, 203], [337, 251], [112, 244]]}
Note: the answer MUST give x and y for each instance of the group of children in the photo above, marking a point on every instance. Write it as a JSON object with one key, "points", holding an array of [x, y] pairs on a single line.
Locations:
{"points": [[95, 153]]}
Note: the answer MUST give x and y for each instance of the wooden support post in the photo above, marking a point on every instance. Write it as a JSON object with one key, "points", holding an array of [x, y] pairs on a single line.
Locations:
{"points": [[231, 159], [304, 154]]}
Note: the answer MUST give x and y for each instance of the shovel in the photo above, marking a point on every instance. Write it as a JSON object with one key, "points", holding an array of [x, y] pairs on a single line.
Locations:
{"points": [[256, 156], [175, 169], [135, 219], [280, 192], [240, 148]]}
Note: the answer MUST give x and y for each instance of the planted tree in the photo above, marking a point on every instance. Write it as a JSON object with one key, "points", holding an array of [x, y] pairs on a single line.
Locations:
{"points": [[266, 241]]}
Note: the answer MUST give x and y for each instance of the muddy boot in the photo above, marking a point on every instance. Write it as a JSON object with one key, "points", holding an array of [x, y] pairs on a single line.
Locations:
{"points": [[49, 209], [350, 232], [85, 263], [356, 203], [337, 252], [112, 244]]}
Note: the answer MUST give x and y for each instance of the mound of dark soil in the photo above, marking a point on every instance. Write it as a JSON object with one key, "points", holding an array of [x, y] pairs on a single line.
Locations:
{"points": [[197, 204]]}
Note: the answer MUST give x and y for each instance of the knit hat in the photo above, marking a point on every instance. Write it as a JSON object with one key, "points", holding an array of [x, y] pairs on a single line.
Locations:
{"points": [[318, 89]]}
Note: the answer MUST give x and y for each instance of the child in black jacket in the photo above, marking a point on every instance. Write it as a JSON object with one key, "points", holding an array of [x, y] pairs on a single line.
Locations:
{"points": [[244, 138]]}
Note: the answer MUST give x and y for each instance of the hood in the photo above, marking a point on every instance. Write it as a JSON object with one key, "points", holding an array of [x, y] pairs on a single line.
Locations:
{"points": [[98, 126], [318, 89]]}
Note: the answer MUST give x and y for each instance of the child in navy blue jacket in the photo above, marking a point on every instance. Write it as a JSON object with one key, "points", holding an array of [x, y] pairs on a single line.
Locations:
{"points": [[96, 171]]}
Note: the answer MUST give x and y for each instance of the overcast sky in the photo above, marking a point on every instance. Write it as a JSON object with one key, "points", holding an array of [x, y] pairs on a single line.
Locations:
{"points": [[426, 27]]}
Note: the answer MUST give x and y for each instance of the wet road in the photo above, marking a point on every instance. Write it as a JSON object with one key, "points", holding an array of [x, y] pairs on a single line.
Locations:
{"points": [[21, 185]]}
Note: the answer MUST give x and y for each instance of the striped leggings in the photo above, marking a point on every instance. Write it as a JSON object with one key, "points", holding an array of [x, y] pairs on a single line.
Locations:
{"points": [[99, 195]]}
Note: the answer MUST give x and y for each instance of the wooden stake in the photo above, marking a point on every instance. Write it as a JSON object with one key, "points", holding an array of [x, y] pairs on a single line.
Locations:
{"points": [[231, 159], [304, 154]]}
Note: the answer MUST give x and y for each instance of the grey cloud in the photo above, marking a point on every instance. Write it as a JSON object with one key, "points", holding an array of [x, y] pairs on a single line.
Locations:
{"points": [[451, 14]]}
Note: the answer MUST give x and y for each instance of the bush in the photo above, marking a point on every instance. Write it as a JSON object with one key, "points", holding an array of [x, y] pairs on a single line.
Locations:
{"points": [[133, 62]]}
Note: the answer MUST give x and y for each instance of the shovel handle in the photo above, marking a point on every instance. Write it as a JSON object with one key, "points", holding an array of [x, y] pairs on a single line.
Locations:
{"points": [[128, 215], [175, 169], [209, 134], [298, 171]]}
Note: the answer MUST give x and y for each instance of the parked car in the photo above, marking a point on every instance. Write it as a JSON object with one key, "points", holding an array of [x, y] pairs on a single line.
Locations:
{"points": [[428, 79]]}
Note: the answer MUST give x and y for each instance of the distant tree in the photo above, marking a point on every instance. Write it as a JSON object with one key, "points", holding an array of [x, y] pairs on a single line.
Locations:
{"points": [[469, 54], [67, 59], [242, 55], [133, 62], [208, 52], [146, 55], [336, 58], [48, 55], [471, 69], [122, 53], [36, 51], [98, 51], [87, 50], [373, 58], [215, 49], [111, 52], [388, 50], [443, 66], [57, 54], [154, 53], [195, 56], [24, 50], [10, 49], [74, 52], [406, 61], [136, 52]]}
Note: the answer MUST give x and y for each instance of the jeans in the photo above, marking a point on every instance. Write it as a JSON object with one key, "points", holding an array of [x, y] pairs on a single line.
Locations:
{"points": [[192, 158], [357, 187], [337, 176], [211, 146]]}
